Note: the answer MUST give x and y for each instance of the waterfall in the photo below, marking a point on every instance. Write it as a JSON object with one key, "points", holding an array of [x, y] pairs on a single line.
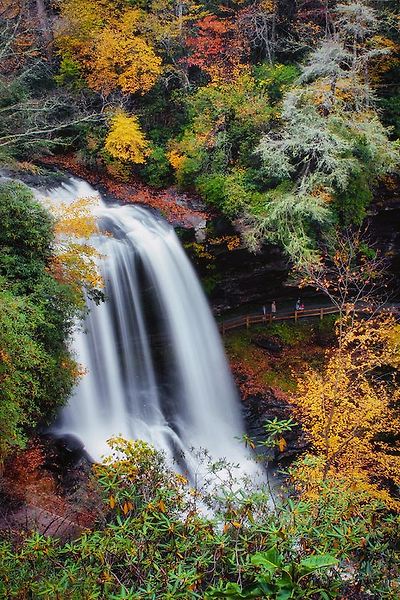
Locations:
{"points": [[155, 365]]}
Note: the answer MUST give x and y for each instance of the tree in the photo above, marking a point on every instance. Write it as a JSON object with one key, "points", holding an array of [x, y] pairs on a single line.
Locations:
{"points": [[33, 113], [259, 24], [225, 121], [105, 41], [166, 26], [218, 48], [350, 410], [125, 140], [25, 248], [327, 155], [350, 272], [74, 259], [36, 313], [156, 541]]}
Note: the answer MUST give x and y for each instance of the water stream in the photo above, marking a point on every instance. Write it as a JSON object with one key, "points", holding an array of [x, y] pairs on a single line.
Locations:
{"points": [[156, 369]]}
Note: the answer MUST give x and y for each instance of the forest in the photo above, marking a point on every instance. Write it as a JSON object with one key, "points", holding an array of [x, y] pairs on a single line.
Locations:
{"points": [[266, 132]]}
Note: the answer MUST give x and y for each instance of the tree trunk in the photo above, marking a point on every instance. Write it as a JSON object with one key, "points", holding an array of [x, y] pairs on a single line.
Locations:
{"points": [[44, 27]]}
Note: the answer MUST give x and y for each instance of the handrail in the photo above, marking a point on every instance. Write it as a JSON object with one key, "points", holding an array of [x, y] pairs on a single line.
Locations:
{"points": [[321, 312], [256, 318]]}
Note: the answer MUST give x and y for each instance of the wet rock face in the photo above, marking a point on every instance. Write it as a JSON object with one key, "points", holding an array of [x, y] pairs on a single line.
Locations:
{"points": [[260, 408], [384, 227], [243, 278], [240, 277], [47, 488], [237, 276]]}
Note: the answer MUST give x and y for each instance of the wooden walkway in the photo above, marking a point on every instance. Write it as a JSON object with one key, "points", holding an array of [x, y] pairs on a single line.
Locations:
{"points": [[257, 318]]}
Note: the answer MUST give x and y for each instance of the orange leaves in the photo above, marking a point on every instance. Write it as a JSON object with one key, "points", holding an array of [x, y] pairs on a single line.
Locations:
{"points": [[232, 242], [136, 193], [127, 507], [282, 444], [228, 526]]}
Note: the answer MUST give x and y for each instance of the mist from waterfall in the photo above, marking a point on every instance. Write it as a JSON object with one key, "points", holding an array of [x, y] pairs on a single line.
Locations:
{"points": [[155, 365]]}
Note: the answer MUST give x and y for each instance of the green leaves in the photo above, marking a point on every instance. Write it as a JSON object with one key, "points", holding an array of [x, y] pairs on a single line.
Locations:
{"points": [[270, 561], [36, 313], [316, 562], [166, 547]]}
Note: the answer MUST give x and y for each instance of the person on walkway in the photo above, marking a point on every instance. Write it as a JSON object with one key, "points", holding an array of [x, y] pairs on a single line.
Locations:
{"points": [[273, 309], [298, 304], [264, 312]]}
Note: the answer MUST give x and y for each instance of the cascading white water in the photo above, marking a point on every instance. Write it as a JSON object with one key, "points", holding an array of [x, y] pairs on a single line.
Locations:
{"points": [[156, 369]]}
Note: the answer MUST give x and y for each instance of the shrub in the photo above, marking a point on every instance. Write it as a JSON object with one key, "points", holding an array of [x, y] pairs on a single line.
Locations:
{"points": [[158, 541]]}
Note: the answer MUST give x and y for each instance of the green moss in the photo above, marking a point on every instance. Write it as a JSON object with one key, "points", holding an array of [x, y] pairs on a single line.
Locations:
{"points": [[292, 334], [238, 343], [280, 379]]}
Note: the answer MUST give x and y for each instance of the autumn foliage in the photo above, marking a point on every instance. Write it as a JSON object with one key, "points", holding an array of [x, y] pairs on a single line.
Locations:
{"points": [[105, 41], [350, 409], [125, 141], [218, 48], [134, 192], [75, 260]]}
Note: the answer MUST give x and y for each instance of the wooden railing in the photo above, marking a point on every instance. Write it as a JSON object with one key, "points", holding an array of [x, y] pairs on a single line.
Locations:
{"points": [[255, 319]]}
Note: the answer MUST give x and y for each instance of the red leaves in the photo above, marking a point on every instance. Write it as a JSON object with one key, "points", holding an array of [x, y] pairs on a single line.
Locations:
{"points": [[218, 47]]}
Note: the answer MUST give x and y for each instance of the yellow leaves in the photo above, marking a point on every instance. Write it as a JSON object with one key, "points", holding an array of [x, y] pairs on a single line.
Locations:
{"points": [[75, 260], [282, 444], [124, 61], [106, 577], [112, 502], [325, 194], [268, 6], [181, 479], [231, 524], [161, 506], [127, 507], [75, 219], [126, 141], [4, 357], [346, 408], [106, 43], [82, 18], [386, 56], [176, 159], [232, 241]]}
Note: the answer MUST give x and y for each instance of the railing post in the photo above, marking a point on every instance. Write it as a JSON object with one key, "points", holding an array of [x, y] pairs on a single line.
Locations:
{"points": [[270, 317], [295, 316], [322, 314], [247, 322]]}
